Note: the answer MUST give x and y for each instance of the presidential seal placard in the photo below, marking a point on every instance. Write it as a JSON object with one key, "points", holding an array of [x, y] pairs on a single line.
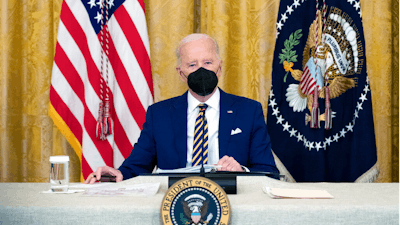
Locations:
{"points": [[195, 201]]}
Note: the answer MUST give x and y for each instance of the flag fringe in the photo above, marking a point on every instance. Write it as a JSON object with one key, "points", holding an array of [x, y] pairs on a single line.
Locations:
{"points": [[370, 176]]}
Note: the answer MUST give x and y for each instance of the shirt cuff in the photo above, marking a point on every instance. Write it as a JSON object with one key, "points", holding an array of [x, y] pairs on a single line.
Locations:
{"points": [[245, 169]]}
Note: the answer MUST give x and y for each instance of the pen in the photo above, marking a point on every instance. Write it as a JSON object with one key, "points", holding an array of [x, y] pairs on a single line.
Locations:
{"points": [[105, 176]]}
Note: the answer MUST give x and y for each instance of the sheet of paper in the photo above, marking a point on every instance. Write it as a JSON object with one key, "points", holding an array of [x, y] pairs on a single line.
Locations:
{"points": [[296, 193], [126, 190], [59, 192], [193, 169], [95, 185]]}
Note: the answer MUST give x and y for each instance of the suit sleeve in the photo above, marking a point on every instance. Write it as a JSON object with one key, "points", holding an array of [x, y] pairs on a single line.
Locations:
{"points": [[261, 158], [143, 155]]}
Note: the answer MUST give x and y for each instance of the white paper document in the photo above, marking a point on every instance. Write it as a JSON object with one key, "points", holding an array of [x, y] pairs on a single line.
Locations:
{"points": [[193, 169], [296, 193], [126, 190], [95, 185], [61, 192]]}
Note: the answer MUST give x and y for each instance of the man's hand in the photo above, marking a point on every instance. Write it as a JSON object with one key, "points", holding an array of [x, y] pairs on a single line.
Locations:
{"points": [[229, 164], [104, 170]]}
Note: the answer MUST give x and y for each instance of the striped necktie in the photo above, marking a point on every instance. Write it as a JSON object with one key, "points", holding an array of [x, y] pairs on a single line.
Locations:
{"points": [[200, 134]]}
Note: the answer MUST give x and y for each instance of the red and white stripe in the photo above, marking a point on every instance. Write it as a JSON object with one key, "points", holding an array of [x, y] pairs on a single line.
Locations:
{"points": [[75, 93], [307, 83]]}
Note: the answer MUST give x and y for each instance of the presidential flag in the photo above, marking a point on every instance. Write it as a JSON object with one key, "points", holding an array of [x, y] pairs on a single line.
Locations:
{"points": [[319, 111], [101, 82]]}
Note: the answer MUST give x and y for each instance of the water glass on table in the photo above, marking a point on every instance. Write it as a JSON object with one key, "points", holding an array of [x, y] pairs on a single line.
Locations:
{"points": [[59, 176]]}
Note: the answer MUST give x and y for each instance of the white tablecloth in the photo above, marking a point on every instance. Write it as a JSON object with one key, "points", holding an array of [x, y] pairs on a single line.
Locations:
{"points": [[354, 203]]}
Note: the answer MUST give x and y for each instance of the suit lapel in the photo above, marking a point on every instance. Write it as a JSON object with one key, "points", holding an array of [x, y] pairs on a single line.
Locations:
{"points": [[226, 120], [179, 124]]}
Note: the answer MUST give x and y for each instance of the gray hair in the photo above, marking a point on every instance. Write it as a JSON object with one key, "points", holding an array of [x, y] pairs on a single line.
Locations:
{"points": [[193, 37]]}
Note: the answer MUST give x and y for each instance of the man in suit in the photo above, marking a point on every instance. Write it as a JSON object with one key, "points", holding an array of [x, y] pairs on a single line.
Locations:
{"points": [[231, 129]]}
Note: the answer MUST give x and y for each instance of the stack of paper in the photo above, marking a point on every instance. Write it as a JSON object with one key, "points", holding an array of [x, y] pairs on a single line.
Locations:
{"points": [[296, 193], [124, 190], [193, 169]]}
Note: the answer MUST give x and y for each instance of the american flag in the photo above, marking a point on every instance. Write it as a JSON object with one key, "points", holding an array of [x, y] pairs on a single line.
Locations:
{"points": [[75, 85]]}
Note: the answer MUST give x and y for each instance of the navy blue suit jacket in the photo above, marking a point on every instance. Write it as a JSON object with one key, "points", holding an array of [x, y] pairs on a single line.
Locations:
{"points": [[163, 140]]}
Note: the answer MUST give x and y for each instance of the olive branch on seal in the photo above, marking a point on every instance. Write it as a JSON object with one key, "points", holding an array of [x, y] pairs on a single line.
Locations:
{"points": [[288, 56]]}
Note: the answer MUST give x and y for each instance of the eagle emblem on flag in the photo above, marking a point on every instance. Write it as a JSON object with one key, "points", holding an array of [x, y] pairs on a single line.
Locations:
{"points": [[324, 60]]}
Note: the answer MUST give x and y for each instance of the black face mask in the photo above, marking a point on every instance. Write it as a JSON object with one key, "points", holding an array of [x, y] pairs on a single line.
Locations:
{"points": [[202, 81]]}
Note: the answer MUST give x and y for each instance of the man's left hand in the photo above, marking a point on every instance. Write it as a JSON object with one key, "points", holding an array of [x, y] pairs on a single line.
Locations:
{"points": [[229, 164]]}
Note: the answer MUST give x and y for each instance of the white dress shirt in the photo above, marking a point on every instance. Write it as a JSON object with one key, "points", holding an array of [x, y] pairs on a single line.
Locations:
{"points": [[212, 116]]}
